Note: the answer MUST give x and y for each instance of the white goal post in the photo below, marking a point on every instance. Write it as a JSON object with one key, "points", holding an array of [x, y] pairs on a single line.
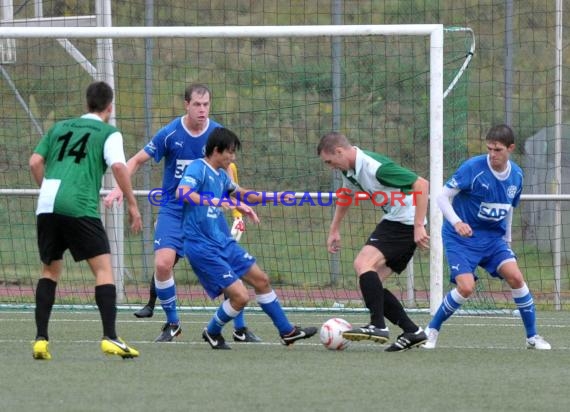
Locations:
{"points": [[105, 34]]}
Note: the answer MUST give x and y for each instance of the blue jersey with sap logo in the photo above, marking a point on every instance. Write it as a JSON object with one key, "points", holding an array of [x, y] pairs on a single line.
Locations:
{"points": [[484, 199], [179, 148], [202, 223]]}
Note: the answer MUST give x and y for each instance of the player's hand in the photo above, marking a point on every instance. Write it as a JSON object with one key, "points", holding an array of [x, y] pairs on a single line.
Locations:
{"points": [[249, 212], [286, 197], [333, 242], [115, 194], [135, 219], [463, 229], [238, 228], [421, 237]]}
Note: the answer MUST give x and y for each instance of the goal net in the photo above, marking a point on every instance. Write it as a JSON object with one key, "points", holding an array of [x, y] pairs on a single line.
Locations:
{"points": [[279, 88]]}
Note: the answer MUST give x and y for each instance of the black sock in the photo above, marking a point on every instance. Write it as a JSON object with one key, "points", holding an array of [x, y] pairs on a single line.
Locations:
{"points": [[372, 292], [106, 299], [152, 291], [45, 297], [395, 313]]}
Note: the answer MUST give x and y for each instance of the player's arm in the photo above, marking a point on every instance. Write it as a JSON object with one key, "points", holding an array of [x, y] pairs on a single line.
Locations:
{"points": [[333, 239], [37, 167], [133, 164], [420, 189], [115, 158], [509, 221], [445, 203]]}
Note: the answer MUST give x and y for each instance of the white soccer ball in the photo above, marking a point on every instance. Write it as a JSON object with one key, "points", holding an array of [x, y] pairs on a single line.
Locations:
{"points": [[331, 334]]}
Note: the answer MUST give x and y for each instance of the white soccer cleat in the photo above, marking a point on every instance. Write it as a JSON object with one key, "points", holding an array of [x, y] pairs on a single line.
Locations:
{"points": [[432, 335], [537, 342]]}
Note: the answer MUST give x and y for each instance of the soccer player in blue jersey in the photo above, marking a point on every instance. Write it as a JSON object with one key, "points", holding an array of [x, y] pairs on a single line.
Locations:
{"points": [[477, 203], [394, 240], [179, 143], [220, 263]]}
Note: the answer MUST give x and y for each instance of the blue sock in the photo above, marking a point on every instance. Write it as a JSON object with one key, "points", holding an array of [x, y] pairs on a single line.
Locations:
{"points": [[525, 304], [223, 315], [239, 321], [271, 306], [451, 302], [166, 292]]}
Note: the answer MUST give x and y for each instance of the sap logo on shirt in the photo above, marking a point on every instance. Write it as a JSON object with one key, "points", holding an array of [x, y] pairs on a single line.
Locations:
{"points": [[493, 211]]}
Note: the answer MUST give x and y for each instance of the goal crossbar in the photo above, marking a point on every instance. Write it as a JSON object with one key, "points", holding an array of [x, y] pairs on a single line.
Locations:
{"points": [[221, 31]]}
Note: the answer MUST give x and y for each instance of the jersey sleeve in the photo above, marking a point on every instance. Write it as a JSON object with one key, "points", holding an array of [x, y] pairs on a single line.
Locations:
{"points": [[461, 179], [42, 147], [517, 198], [394, 175], [113, 150], [193, 176], [157, 147]]}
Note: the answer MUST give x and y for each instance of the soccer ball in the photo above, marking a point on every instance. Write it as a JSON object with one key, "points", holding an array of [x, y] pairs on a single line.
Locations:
{"points": [[331, 334]]}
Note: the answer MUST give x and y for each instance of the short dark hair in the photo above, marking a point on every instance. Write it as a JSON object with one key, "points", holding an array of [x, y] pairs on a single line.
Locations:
{"points": [[198, 88], [99, 96], [331, 141], [501, 133], [222, 139]]}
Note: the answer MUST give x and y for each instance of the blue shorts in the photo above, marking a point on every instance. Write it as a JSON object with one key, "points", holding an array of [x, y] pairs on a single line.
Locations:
{"points": [[168, 231], [465, 254], [217, 268]]}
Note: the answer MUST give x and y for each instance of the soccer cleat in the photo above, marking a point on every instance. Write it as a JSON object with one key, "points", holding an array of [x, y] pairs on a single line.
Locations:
{"points": [[296, 334], [40, 350], [145, 312], [215, 341], [537, 342], [169, 332], [408, 340], [245, 335], [432, 335], [370, 332], [118, 347]]}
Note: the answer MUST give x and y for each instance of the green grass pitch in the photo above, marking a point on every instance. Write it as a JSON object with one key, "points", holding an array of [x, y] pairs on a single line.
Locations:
{"points": [[481, 364]]}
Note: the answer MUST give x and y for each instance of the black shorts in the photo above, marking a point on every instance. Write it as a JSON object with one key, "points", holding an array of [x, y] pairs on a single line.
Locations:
{"points": [[396, 242], [85, 237]]}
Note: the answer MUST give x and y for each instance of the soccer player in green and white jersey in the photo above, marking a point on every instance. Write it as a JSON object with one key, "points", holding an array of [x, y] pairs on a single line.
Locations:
{"points": [[392, 244], [69, 163]]}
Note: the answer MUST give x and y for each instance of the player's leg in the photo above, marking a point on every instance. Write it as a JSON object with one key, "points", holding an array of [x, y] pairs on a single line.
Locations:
{"points": [[368, 259], [51, 246], [168, 246], [241, 332], [165, 259], [395, 242], [87, 240], [236, 297], [462, 261], [269, 303], [106, 300], [451, 303], [45, 298], [148, 310], [510, 271]]}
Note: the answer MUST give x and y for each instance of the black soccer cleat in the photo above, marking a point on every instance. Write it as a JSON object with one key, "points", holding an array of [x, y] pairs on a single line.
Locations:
{"points": [[297, 334], [245, 335], [369, 332], [145, 312], [169, 332], [215, 341], [408, 340]]}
